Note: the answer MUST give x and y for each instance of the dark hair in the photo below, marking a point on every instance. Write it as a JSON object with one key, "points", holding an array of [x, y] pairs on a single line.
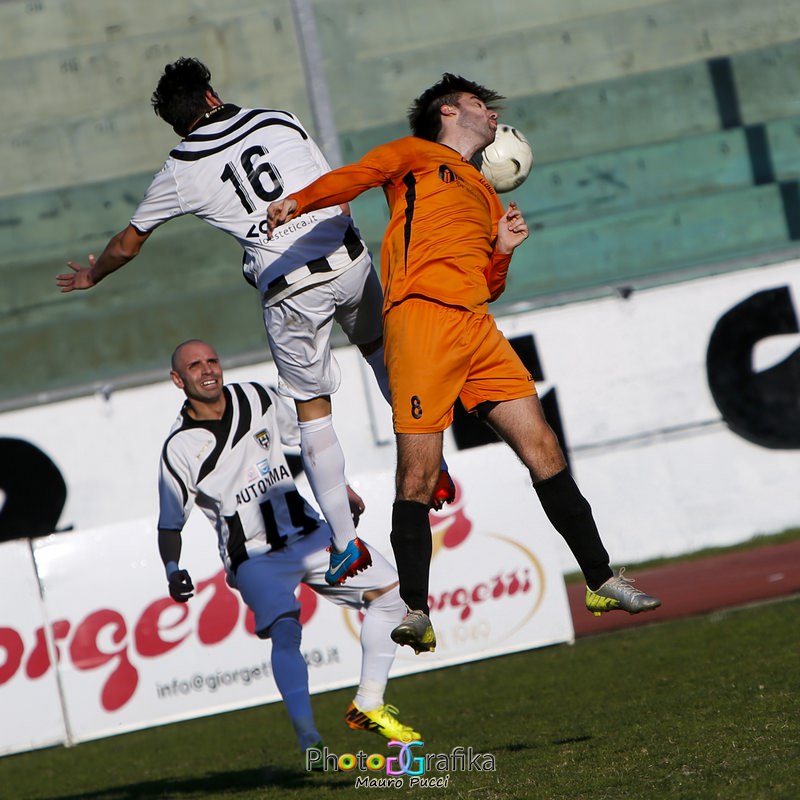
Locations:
{"points": [[180, 97], [423, 114]]}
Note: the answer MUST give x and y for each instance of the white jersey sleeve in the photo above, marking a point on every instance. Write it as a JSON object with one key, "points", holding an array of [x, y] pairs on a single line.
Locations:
{"points": [[161, 201], [176, 485]]}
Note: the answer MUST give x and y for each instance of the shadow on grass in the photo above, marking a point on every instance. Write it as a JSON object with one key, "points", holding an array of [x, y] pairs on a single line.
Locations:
{"points": [[515, 747], [229, 783], [573, 739], [518, 747]]}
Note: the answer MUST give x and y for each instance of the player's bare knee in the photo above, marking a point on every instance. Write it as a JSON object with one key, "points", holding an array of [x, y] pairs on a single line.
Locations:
{"points": [[541, 453], [373, 594], [387, 603], [314, 408], [416, 485]]}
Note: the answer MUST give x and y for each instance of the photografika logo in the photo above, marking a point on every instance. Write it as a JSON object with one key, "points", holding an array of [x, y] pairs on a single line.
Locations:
{"points": [[421, 770]]}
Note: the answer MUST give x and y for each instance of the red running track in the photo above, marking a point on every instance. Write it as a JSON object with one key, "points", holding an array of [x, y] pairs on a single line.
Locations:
{"points": [[697, 587]]}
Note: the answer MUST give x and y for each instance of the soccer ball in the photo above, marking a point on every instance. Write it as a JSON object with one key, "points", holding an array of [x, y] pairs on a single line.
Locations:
{"points": [[506, 162]]}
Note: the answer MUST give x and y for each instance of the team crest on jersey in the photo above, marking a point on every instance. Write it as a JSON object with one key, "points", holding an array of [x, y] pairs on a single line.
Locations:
{"points": [[446, 175], [262, 437]]}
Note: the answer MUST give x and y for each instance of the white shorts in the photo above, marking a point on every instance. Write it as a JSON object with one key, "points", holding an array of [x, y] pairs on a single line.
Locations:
{"points": [[300, 326], [267, 582]]}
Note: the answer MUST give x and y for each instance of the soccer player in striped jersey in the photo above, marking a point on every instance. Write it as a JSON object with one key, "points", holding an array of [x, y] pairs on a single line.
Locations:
{"points": [[230, 164], [224, 456], [445, 257]]}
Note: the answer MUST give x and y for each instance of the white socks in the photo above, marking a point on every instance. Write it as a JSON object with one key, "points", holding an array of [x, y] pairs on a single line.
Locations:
{"points": [[323, 460], [381, 616]]}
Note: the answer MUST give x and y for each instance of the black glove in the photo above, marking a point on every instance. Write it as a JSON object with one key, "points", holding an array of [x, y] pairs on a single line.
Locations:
{"points": [[181, 587]]}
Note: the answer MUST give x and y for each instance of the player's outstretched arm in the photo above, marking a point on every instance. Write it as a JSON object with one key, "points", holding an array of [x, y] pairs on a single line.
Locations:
{"points": [[512, 230], [119, 251]]}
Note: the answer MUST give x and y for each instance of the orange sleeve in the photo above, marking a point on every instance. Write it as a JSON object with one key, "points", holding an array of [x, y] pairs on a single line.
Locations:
{"points": [[496, 272], [345, 183]]}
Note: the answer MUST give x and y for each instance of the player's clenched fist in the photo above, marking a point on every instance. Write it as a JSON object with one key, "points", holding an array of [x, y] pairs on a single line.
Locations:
{"points": [[181, 587], [279, 212]]}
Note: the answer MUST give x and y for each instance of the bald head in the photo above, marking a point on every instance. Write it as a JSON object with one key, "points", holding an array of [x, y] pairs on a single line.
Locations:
{"points": [[197, 371], [179, 354]]}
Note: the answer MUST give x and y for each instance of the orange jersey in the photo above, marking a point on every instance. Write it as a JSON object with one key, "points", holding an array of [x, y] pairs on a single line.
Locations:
{"points": [[440, 240]]}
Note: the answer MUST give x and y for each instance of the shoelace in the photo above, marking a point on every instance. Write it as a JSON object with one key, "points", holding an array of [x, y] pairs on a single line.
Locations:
{"points": [[628, 583], [412, 616], [393, 711]]}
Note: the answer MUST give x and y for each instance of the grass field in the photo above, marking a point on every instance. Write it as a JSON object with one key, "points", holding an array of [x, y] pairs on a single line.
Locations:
{"points": [[700, 708]]}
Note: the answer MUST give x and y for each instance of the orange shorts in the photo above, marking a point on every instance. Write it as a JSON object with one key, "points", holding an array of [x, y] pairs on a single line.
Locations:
{"points": [[436, 354]]}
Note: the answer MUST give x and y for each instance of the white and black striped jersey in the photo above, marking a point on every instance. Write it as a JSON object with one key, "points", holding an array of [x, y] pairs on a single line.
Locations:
{"points": [[234, 470], [228, 170]]}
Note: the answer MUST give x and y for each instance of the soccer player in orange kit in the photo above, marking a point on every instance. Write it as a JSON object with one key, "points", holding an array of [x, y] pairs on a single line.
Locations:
{"points": [[445, 255]]}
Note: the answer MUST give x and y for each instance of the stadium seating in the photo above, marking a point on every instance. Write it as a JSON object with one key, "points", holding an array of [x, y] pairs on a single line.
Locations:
{"points": [[665, 136]]}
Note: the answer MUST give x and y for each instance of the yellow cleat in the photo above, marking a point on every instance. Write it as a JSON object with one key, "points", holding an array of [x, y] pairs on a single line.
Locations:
{"points": [[382, 721]]}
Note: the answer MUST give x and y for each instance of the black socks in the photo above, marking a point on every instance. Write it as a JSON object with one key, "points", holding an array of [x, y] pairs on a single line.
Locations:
{"points": [[412, 546], [565, 507], [571, 515]]}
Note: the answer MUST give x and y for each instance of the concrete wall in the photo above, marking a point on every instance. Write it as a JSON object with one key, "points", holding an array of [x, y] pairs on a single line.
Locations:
{"points": [[665, 137]]}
